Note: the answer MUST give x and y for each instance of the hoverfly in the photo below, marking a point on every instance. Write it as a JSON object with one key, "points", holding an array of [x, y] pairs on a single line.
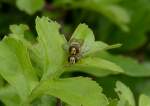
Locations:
{"points": [[75, 50]]}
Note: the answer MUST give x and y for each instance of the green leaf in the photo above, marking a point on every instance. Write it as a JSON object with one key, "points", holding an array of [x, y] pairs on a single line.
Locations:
{"points": [[9, 96], [99, 46], [114, 12], [19, 32], [30, 6], [117, 14], [130, 66], [85, 37], [22, 32], [89, 93], [125, 95], [144, 100], [16, 67], [51, 43], [95, 66], [36, 54], [137, 36]]}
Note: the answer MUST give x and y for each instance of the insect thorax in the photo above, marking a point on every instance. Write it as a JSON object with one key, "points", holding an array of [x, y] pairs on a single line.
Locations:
{"points": [[74, 47]]}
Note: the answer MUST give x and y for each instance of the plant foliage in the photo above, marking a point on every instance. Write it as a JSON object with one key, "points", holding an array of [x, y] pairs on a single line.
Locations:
{"points": [[34, 52]]}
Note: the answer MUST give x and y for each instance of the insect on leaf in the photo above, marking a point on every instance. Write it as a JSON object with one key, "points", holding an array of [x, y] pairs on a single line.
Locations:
{"points": [[95, 66], [85, 37]]}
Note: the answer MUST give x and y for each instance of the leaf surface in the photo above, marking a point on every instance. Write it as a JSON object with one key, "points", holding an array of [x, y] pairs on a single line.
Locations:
{"points": [[130, 66], [95, 66], [125, 95], [144, 100], [51, 44], [9, 96], [16, 67], [30, 6], [68, 91]]}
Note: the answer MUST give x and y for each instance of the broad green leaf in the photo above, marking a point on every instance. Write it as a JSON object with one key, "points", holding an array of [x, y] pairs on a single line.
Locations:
{"points": [[30, 6], [144, 100], [125, 95], [99, 46], [9, 96], [117, 14], [22, 32], [95, 66], [137, 36], [130, 66], [36, 54], [114, 12], [85, 37], [19, 32], [51, 43], [16, 67], [67, 90]]}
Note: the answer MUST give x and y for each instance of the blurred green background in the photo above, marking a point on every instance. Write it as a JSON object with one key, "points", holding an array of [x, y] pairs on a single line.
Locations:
{"points": [[112, 21]]}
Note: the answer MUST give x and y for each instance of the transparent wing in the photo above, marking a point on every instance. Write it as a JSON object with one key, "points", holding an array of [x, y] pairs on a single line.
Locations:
{"points": [[80, 41], [66, 47]]}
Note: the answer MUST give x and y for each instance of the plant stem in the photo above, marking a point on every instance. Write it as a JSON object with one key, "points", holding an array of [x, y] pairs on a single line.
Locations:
{"points": [[58, 102]]}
